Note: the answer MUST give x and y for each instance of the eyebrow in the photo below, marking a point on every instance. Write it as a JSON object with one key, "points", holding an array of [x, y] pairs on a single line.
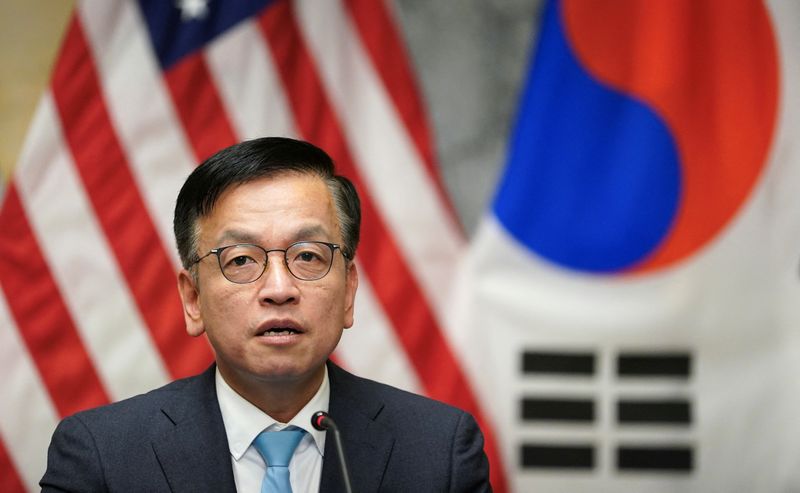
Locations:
{"points": [[304, 233], [309, 232], [237, 236]]}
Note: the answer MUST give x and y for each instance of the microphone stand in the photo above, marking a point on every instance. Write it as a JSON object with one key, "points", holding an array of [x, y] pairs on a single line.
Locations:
{"points": [[322, 422]]}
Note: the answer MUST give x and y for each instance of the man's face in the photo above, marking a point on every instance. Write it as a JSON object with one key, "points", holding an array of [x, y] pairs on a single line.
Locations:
{"points": [[240, 319]]}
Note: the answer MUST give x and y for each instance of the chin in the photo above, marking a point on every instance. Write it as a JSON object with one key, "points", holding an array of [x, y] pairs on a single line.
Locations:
{"points": [[285, 372]]}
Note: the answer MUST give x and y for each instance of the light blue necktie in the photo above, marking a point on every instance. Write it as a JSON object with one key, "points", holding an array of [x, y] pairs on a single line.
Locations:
{"points": [[277, 448]]}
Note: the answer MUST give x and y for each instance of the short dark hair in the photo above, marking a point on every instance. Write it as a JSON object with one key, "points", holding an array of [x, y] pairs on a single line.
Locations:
{"points": [[251, 160]]}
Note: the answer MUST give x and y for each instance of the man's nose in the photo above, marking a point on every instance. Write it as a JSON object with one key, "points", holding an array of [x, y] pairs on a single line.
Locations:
{"points": [[278, 285]]}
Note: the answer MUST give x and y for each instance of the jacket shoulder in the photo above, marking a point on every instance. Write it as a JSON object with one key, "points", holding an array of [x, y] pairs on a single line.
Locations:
{"points": [[138, 407], [394, 407], [434, 446]]}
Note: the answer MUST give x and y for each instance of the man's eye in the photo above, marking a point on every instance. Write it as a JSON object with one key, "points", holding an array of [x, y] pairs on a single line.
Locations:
{"points": [[240, 260], [307, 257]]}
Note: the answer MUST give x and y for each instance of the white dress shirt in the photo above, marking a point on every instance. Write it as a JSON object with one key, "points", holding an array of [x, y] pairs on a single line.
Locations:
{"points": [[244, 421]]}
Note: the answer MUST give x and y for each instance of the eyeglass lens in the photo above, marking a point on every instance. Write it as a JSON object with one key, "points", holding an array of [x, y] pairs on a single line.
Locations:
{"points": [[245, 263]]}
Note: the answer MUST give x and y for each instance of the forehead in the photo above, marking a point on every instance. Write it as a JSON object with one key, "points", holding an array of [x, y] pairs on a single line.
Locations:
{"points": [[273, 208]]}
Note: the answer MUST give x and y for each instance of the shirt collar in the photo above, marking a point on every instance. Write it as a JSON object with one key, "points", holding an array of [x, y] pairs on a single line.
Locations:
{"points": [[244, 421]]}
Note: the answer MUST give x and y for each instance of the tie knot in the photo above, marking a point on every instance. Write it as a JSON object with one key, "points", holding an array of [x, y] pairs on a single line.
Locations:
{"points": [[277, 447]]}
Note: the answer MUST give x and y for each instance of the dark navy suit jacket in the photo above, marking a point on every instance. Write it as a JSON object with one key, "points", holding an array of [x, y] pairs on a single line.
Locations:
{"points": [[173, 439]]}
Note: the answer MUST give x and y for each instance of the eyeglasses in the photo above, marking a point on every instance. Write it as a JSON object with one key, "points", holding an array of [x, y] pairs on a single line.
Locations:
{"points": [[245, 263]]}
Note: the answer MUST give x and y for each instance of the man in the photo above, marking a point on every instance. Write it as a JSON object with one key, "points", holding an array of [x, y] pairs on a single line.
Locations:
{"points": [[267, 234]]}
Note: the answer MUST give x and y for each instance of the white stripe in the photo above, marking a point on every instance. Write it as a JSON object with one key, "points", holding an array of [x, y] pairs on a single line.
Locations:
{"points": [[371, 349], [78, 255], [27, 416], [140, 108], [384, 152], [243, 70]]}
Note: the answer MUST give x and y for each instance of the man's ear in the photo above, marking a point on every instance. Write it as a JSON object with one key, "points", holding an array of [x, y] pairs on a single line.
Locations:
{"points": [[351, 285], [190, 297]]}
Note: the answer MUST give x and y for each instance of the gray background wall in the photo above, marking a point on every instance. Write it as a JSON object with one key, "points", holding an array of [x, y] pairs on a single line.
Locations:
{"points": [[471, 58]]}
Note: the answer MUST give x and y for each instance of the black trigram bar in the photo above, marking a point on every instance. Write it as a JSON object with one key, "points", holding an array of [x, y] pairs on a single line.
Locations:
{"points": [[564, 363], [655, 458], [675, 365], [544, 409], [673, 411], [542, 456]]}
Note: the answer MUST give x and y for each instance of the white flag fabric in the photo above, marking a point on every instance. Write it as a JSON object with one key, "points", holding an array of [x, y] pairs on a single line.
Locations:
{"points": [[632, 298]]}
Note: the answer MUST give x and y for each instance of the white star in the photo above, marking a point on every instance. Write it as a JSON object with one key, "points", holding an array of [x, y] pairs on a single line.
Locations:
{"points": [[193, 9]]}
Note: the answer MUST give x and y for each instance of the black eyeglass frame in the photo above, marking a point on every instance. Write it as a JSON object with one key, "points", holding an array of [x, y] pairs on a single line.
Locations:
{"points": [[218, 252]]}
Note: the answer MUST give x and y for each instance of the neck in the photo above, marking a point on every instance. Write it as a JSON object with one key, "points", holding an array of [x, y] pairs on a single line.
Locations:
{"points": [[280, 398]]}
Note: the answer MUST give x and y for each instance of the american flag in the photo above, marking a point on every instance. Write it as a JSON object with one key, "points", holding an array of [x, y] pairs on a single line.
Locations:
{"points": [[141, 92]]}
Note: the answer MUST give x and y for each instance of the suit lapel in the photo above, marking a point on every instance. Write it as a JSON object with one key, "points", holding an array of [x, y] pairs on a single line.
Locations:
{"points": [[367, 444], [191, 444]]}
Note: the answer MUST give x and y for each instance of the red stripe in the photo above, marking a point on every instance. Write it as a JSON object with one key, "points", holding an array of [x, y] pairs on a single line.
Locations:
{"points": [[43, 320], [402, 298], [199, 106], [119, 207], [388, 55], [10, 481]]}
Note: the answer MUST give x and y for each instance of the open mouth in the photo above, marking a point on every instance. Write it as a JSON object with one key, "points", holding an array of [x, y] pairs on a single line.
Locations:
{"points": [[280, 331], [277, 328]]}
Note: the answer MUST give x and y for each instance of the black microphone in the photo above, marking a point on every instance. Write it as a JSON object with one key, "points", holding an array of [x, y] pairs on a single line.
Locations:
{"points": [[322, 422]]}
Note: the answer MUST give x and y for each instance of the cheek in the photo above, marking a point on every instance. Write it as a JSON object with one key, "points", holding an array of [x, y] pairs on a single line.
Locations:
{"points": [[221, 306], [331, 305]]}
